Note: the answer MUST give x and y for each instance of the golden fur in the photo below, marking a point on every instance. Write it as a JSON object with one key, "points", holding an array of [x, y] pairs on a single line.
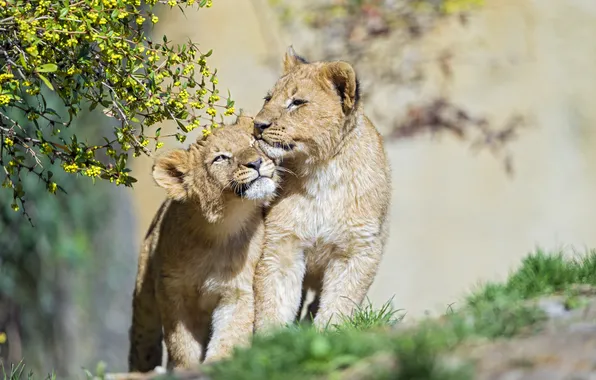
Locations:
{"points": [[196, 266], [327, 229]]}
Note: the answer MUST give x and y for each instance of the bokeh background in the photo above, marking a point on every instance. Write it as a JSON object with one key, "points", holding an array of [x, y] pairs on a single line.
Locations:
{"points": [[521, 68]]}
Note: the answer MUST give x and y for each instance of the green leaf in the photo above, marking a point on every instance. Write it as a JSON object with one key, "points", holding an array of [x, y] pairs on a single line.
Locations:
{"points": [[46, 81], [47, 68], [209, 53], [158, 132]]}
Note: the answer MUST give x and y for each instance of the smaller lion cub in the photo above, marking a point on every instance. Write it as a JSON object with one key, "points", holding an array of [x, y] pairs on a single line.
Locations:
{"points": [[197, 263]]}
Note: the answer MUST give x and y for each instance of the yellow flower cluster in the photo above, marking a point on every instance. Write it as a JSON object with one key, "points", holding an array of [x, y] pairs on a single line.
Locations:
{"points": [[93, 171], [8, 142], [5, 77], [4, 100], [52, 187], [70, 168]]}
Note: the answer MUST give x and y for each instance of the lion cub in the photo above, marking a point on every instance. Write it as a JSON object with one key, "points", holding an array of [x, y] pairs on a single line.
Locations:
{"points": [[197, 263], [327, 229]]}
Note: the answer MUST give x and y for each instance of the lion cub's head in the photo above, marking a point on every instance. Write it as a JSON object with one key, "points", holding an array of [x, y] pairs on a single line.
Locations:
{"points": [[305, 114], [226, 165]]}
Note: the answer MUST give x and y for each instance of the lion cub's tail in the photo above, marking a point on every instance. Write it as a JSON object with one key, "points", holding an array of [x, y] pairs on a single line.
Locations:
{"points": [[145, 332]]}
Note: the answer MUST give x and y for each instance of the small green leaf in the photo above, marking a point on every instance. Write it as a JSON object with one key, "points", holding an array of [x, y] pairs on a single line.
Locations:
{"points": [[47, 68], [209, 53], [46, 81], [158, 132]]}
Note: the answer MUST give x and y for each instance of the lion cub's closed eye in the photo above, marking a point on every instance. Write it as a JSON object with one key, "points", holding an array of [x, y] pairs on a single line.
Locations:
{"points": [[197, 262]]}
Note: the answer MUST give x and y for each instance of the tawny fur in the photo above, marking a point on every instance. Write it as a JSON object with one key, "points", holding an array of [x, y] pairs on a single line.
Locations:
{"points": [[327, 229], [197, 263]]}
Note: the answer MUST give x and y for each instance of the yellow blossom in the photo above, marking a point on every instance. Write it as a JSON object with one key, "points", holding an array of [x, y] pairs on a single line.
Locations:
{"points": [[93, 171], [70, 168], [8, 142], [52, 186], [211, 111], [154, 19], [159, 145], [229, 111], [5, 77]]}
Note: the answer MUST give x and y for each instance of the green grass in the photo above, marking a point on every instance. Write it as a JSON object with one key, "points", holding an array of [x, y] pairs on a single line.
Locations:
{"points": [[17, 372], [540, 274], [371, 340], [494, 310]]}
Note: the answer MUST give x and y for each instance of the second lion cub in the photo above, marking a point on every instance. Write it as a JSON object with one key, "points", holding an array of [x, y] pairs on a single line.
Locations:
{"points": [[197, 263]]}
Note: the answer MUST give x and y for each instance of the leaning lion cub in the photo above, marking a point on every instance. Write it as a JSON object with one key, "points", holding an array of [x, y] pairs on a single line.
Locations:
{"points": [[197, 263]]}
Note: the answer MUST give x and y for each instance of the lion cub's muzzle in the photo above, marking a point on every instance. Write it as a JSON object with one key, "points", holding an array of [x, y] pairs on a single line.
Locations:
{"points": [[255, 179], [272, 136]]}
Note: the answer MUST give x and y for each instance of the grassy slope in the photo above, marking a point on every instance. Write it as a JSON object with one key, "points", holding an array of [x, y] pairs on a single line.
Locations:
{"points": [[372, 344], [494, 310]]}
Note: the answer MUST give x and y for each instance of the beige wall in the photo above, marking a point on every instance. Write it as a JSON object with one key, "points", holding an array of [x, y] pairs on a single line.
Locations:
{"points": [[456, 218]]}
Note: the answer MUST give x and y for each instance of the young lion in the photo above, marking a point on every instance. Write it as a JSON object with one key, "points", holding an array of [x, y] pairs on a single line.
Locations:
{"points": [[197, 263], [327, 229]]}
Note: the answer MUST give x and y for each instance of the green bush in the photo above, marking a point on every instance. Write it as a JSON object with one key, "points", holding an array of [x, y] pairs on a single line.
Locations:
{"points": [[92, 53]]}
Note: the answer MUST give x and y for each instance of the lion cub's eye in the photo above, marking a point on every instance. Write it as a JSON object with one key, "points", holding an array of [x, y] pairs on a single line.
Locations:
{"points": [[267, 98], [298, 102], [220, 158]]}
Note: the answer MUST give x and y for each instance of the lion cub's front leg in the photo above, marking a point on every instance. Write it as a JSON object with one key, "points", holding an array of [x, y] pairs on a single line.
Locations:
{"points": [[232, 324], [185, 331], [278, 282], [346, 281]]}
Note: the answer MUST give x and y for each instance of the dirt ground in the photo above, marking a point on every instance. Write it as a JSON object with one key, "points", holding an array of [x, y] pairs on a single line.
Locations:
{"points": [[456, 218]]}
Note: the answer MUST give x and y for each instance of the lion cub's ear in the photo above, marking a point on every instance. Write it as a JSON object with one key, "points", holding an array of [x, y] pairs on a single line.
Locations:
{"points": [[291, 60], [343, 77], [245, 122], [169, 171]]}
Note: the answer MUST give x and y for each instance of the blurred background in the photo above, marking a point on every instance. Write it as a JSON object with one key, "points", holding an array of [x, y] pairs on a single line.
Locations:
{"points": [[487, 113]]}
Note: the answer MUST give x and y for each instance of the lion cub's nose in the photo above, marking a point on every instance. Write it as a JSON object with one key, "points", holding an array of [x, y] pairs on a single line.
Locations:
{"points": [[256, 164], [261, 126]]}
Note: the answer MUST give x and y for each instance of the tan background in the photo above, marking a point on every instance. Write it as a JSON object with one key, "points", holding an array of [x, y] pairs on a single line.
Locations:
{"points": [[456, 218]]}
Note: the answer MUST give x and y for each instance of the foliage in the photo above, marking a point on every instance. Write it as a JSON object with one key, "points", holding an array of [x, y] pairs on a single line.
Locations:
{"points": [[367, 317], [48, 268], [541, 273], [91, 53], [494, 311], [17, 371]]}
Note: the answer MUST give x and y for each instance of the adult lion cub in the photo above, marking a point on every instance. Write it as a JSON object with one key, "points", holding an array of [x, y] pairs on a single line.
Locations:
{"points": [[197, 263], [327, 229]]}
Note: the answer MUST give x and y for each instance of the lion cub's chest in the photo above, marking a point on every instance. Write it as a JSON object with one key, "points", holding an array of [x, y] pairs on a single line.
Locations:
{"points": [[320, 214], [208, 273]]}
